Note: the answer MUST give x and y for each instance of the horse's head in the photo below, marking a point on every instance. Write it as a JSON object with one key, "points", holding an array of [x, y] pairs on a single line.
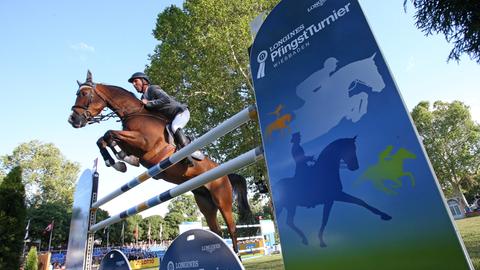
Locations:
{"points": [[369, 74], [87, 105], [404, 154], [349, 153]]}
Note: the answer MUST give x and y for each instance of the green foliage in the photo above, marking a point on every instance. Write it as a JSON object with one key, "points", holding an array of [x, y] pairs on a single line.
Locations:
{"points": [[47, 175], [154, 224], [458, 20], [42, 215], [12, 219], [182, 208], [130, 225], [452, 141], [32, 259], [202, 59]]}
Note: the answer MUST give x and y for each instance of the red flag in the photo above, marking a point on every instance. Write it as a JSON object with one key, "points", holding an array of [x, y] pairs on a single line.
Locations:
{"points": [[49, 228], [135, 232]]}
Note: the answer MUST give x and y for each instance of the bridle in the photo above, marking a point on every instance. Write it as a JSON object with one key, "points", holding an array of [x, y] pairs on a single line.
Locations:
{"points": [[87, 114]]}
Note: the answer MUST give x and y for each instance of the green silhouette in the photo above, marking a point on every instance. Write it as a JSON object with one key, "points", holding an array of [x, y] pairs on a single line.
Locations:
{"points": [[389, 167]]}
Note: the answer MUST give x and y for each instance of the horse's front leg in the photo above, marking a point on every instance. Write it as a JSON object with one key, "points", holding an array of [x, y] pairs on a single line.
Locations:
{"points": [[291, 210], [102, 145], [358, 106], [327, 207], [118, 140]]}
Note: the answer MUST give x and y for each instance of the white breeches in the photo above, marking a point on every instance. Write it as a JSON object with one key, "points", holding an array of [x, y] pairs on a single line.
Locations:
{"points": [[180, 120]]}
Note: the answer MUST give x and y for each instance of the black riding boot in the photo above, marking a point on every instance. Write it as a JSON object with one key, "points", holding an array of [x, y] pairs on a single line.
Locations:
{"points": [[181, 141]]}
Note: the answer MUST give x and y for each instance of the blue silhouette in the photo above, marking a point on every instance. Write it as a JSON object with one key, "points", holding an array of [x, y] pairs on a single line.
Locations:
{"points": [[298, 154], [320, 184]]}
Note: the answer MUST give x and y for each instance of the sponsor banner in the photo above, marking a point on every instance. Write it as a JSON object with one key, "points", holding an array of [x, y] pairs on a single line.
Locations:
{"points": [[145, 263], [114, 260], [199, 249], [351, 184]]}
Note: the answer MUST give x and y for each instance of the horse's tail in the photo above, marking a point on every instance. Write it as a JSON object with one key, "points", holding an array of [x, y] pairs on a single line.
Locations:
{"points": [[239, 184]]}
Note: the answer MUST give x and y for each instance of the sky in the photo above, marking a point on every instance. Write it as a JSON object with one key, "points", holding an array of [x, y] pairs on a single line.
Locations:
{"points": [[48, 45]]}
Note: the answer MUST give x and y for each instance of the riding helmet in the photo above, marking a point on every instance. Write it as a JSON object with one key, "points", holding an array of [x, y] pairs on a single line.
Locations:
{"points": [[139, 75]]}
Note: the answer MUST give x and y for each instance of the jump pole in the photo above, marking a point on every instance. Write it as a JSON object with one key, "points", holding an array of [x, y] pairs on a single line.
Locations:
{"points": [[232, 165], [225, 127]]}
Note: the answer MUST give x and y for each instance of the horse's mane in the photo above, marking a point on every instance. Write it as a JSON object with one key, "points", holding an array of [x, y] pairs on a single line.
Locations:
{"points": [[333, 146], [123, 90], [120, 92]]}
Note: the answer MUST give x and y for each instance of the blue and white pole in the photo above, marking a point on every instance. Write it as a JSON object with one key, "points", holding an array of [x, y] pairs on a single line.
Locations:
{"points": [[227, 126], [230, 166]]}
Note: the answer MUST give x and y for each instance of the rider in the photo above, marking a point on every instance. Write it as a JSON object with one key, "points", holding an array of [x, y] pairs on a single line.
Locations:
{"points": [[156, 99], [298, 154]]}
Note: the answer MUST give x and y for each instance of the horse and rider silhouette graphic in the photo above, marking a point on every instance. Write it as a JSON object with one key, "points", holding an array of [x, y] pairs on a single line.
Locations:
{"points": [[336, 94], [318, 183], [389, 167]]}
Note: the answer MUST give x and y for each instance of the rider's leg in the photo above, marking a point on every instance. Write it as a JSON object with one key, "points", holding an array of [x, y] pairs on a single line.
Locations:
{"points": [[178, 123]]}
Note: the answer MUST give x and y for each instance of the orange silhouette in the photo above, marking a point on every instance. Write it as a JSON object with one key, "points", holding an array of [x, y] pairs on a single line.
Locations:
{"points": [[279, 124]]}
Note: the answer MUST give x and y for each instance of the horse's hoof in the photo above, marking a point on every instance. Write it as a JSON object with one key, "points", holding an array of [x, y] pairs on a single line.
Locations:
{"points": [[120, 166], [385, 216], [132, 160]]}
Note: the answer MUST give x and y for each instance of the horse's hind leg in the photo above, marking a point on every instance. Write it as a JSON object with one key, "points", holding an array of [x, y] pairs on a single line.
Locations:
{"points": [[224, 203], [208, 209]]}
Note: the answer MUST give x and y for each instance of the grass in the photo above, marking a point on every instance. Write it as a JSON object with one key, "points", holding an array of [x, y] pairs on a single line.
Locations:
{"points": [[469, 230], [271, 262]]}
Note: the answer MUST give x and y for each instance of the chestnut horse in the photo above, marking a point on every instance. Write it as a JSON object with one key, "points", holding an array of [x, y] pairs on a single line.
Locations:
{"points": [[143, 141]]}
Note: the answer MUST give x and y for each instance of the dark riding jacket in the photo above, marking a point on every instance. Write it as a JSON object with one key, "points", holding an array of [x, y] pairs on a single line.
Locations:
{"points": [[159, 100]]}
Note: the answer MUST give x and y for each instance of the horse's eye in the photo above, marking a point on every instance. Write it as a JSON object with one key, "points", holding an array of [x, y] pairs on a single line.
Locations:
{"points": [[84, 93]]}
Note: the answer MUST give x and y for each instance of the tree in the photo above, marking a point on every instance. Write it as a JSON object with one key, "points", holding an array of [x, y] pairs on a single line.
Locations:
{"points": [[202, 59], [42, 215], [131, 224], [32, 260], [181, 208], [154, 224], [12, 219], [47, 175], [458, 20], [452, 141]]}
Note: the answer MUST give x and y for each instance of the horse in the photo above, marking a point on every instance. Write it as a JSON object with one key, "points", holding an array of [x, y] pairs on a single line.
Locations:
{"points": [[336, 97], [279, 124], [320, 184], [389, 167], [143, 140]]}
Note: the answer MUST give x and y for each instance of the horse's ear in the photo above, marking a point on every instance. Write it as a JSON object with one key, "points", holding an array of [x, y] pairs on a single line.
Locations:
{"points": [[89, 77], [355, 137], [79, 83], [373, 56]]}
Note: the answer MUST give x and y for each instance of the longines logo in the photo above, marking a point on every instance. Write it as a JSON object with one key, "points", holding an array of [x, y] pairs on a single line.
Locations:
{"points": [[317, 4], [211, 248]]}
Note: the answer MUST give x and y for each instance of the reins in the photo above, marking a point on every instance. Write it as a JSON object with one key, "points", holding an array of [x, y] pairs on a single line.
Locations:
{"points": [[122, 114]]}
